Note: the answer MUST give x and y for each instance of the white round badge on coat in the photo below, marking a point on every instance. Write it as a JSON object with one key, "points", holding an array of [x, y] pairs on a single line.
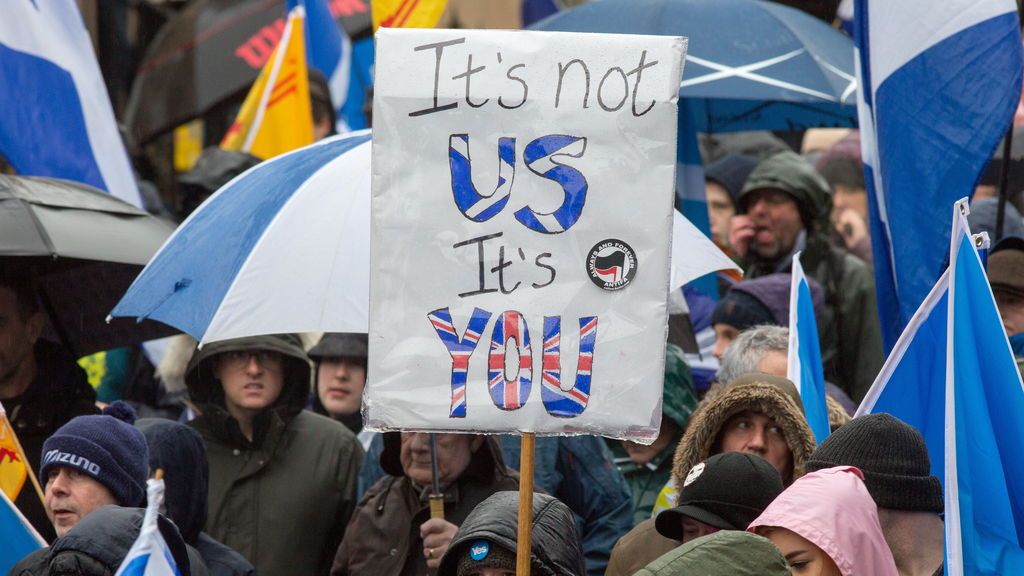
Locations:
{"points": [[693, 474]]}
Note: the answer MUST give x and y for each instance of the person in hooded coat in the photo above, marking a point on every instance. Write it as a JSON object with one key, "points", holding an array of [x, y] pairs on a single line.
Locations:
{"points": [[283, 481], [554, 543], [385, 536], [785, 208], [98, 544], [826, 523], [739, 403], [180, 452], [725, 553], [647, 468]]}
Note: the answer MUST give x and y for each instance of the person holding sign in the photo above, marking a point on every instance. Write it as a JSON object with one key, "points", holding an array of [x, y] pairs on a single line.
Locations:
{"points": [[392, 532]]}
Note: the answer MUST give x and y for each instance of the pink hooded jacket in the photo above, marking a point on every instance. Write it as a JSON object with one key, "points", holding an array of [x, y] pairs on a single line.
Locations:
{"points": [[833, 509]]}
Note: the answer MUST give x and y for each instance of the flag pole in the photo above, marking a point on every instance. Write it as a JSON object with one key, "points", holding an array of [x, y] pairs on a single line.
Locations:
{"points": [[436, 496], [525, 518], [21, 451], [1004, 180]]}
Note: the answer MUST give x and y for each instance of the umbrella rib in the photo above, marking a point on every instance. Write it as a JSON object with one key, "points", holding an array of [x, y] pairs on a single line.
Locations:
{"points": [[42, 231]]}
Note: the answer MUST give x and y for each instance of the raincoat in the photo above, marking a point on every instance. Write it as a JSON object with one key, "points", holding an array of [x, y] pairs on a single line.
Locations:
{"points": [[725, 553], [179, 451], [850, 334], [283, 499], [833, 510], [554, 543]]}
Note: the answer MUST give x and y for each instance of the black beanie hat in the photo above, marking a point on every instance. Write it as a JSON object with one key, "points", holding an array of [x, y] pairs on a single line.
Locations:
{"points": [[106, 448], [731, 172], [893, 457], [484, 553]]}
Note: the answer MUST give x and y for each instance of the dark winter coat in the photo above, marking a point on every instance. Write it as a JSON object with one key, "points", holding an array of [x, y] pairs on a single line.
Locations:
{"points": [[850, 334], [60, 392], [554, 543], [283, 499], [383, 538], [725, 553], [98, 544], [580, 471], [180, 452]]}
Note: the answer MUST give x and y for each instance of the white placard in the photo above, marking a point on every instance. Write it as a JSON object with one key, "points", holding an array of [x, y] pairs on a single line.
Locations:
{"points": [[521, 231]]}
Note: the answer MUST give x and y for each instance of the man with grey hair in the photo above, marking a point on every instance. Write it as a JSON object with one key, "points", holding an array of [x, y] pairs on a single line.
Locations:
{"points": [[765, 349], [759, 349]]}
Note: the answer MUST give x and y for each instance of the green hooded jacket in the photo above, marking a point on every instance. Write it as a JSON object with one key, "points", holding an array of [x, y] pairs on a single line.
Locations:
{"points": [[678, 402], [851, 339], [282, 500], [725, 553]]}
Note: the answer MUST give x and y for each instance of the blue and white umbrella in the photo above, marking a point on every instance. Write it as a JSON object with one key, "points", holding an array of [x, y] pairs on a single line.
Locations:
{"points": [[285, 247]]}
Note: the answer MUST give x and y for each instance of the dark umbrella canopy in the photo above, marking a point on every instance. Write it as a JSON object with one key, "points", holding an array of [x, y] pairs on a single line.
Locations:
{"points": [[84, 248], [211, 51], [750, 64]]}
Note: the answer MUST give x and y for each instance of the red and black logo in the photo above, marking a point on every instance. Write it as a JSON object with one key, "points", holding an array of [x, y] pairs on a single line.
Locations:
{"points": [[611, 264]]}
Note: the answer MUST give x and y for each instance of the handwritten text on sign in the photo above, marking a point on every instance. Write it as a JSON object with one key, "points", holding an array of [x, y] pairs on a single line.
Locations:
{"points": [[522, 196]]}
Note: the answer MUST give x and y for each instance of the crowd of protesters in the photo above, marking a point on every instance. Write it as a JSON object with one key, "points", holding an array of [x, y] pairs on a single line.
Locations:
{"points": [[269, 470]]}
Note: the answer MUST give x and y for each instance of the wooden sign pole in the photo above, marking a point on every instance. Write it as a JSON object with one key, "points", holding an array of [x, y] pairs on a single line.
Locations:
{"points": [[523, 537]]}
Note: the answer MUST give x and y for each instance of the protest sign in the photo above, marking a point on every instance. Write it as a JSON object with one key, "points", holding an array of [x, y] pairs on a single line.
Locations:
{"points": [[521, 231]]}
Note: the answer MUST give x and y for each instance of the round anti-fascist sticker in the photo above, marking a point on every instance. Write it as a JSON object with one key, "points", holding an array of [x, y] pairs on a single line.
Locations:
{"points": [[611, 264]]}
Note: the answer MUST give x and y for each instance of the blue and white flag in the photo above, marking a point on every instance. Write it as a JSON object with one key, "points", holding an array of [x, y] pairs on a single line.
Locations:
{"points": [[938, 83], [150, 555], [55, 114], [17, 537], [804, 362], [329, 50], [952, 376], [984, 474]]}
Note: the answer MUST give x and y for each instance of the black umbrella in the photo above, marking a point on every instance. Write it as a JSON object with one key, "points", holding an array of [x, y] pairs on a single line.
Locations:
{"points": [[84, 248], [211, 51]]}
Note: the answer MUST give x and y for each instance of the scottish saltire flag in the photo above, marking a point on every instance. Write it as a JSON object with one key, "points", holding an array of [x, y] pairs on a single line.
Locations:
{"points": [[17, 537], [329, 50], [910, 384], [804, 362], [938, 83], [984, 431], [55, 114], [150, 555], [690, 185]]}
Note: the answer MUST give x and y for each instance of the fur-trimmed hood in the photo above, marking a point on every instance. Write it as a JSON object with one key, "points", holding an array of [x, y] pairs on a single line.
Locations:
{"points": [[709, 419]]}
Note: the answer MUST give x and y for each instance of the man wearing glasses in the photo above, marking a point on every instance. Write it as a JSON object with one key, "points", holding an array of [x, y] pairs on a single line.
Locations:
{"points": [[282, 479]]}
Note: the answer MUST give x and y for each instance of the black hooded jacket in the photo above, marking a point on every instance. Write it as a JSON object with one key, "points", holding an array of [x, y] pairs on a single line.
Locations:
{"points": [[98, 544], [180, 452], [555, 544]]}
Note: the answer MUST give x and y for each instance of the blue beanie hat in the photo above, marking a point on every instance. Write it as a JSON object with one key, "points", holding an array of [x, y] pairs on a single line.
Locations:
{"points": [[106, 448]]}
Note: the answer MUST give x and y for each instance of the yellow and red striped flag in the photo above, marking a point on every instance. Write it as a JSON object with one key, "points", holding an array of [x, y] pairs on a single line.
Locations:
{"points": [[277, 116], [407, 13], [13, 466]]}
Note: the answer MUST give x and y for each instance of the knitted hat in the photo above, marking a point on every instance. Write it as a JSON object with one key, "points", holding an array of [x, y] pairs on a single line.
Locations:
{"points": [[106, 448], [485, 554], [893, 457], [731, 172], [741, 310]]}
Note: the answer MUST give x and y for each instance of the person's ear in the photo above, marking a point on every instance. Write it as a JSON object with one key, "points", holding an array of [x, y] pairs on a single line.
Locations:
{"points": [[35, 326]]}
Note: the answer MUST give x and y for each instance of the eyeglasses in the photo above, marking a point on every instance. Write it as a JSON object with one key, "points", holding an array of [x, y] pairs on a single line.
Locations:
{"points": [[265, 358]]}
